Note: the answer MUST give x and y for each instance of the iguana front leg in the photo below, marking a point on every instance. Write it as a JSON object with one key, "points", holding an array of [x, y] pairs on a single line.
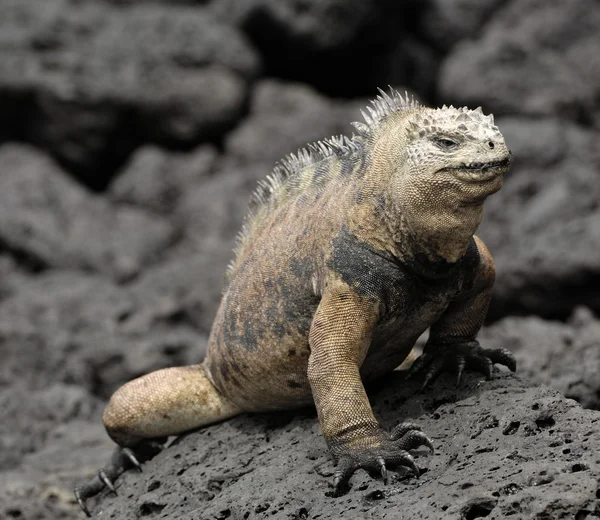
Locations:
{"points": [[339, 339], [452, 343]]}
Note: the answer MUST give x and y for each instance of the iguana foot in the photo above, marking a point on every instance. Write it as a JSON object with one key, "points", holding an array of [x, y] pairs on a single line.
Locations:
{"points": [[121, 460], [385, 450], [455, 357]]}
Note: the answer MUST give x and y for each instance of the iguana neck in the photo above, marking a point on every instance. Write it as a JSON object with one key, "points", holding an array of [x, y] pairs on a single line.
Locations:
{"points": [[440, 236]]}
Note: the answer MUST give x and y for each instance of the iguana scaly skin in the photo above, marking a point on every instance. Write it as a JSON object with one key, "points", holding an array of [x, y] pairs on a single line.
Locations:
{"points": [[351, 250]]}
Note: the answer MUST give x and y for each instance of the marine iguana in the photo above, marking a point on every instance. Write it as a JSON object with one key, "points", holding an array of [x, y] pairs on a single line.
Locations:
{"points": [[351, 249]]}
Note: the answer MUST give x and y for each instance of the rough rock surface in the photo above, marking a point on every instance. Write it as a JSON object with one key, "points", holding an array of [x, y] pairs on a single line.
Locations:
{"points": [[81, 329], [157, 180], [446, 22], [142, 128], [504, 448], [51, 221], [565, 356], [535, 57], [342, 46], [96, 80], [543, 227]]}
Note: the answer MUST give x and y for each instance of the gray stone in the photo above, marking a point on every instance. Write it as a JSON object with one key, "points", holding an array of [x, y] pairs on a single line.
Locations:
{"points": [[81, 329], [285, 117], [564, 356], [446, 22], [96, 80], [535, 57], [503, 448], [51, 221], [542, 227], [345, 47], [28, 416], [156, 180], [42, 486]]}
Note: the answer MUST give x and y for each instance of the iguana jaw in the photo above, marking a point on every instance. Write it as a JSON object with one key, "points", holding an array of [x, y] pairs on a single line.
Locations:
{"points": [[479, 172]]}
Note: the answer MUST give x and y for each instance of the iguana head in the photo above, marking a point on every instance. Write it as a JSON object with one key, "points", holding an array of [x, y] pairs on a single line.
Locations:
{"points": [[458, 151], [440, 165]]}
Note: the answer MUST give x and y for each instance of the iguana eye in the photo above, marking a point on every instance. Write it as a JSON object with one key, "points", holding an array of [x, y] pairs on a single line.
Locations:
{"points": [[446, 143]]}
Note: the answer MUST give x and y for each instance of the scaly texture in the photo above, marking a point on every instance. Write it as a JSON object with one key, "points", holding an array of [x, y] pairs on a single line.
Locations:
{"points": [[351, 250]]}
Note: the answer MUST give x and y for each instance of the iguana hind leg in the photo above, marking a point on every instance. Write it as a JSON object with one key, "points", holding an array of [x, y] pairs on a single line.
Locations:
{"points": [[162, 403]]}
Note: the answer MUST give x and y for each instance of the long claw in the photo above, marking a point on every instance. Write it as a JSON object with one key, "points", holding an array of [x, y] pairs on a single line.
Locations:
{"points": [[107, 482], [422, 440], [418, 365], [412, 440], [343, 473], [82, 503], [401, 429], [434, 371], [412, 465], [489, 368], [458, 356], [130, 456], [383, 469], [503, 356], [460, 367], [121, 459], [337, 480]]}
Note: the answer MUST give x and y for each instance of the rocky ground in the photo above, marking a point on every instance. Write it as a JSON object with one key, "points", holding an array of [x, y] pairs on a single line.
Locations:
{"points": [[131, 135]]}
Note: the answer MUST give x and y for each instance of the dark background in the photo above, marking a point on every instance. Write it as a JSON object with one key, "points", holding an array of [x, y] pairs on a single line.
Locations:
{"points": [[133, 132]]}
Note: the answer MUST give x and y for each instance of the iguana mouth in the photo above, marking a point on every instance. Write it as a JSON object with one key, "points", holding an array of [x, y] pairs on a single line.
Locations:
{"points": [[482, 165], [480, 171]]}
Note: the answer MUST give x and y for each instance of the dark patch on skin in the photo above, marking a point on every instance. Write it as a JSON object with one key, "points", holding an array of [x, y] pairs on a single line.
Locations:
{"points": [[234, 366], [244, 333], [293, 384], [294, 307], [301, 268], [273, 311], [427, 268], [359, 198], [368, 271], [250, 336], [398, 284], [223, 370], [471, 262], [212, 366], [292, 352], [279, 330]]}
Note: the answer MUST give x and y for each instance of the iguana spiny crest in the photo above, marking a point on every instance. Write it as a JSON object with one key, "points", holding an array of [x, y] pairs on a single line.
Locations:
{"points": [[432, 146]]}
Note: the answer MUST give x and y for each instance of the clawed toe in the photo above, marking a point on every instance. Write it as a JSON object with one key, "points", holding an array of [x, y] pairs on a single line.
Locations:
{"points": [[502, 356], [81, 502], [408, 436], [456, 358], [346, 467], [401, 429], [106, 481], [121, 459], [383, 470], [388, 451], [128, 453]]}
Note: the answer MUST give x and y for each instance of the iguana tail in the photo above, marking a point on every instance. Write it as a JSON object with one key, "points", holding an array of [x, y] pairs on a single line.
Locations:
{"points": [[166, 402]]}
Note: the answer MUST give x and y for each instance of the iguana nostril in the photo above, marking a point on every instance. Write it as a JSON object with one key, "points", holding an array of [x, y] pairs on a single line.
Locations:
{"points": [[491, 144]]}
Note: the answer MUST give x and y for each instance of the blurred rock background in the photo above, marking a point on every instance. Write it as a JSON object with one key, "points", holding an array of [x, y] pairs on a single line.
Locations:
{"points": [[132, 133]]}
